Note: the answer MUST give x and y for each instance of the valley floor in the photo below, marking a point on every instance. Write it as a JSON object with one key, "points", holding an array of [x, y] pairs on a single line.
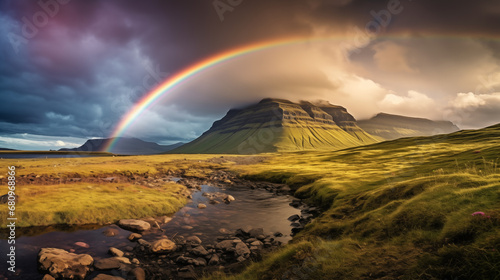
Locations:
{"points": [[413, 208]]}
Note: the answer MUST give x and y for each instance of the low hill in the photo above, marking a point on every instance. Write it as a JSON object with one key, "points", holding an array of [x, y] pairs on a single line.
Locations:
{"points": [[390, 127], [277, 125], [124, 146]]}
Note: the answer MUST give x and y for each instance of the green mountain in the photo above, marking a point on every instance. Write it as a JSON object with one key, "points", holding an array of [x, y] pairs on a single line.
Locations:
{"points": [[277, 125], [391, 127]]}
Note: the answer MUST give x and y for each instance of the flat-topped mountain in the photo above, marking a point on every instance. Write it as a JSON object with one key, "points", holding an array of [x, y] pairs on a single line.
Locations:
{"points": [[391, 127], [275, 125], [124, 146]]}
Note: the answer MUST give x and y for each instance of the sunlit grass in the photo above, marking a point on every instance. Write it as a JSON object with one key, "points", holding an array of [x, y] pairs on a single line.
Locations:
{"points": [[83, 203], [93, 203], [87, 166], [398, 209]]}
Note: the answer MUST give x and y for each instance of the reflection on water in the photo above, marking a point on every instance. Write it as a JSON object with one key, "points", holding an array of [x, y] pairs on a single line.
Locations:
{"points": [[254, 208]]}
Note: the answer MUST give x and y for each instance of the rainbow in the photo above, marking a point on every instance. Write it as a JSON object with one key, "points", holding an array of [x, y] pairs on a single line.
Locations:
{"points": [[166, 87]]}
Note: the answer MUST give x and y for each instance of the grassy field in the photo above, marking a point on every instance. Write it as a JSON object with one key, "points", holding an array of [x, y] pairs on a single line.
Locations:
{"points": [[400, 209], [45, 201]]}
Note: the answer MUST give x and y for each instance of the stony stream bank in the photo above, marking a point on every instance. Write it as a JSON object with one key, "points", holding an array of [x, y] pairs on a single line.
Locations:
{"points": [[227, 223]]}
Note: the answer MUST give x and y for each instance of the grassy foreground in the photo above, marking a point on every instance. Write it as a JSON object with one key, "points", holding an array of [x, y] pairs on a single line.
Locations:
{"points": [[400, 209], [48, 202]]}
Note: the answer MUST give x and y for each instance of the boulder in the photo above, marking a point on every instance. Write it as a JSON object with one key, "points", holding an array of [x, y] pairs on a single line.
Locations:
{"points": [[257, 243], [244, 230], [163, 245], [225, 231], [294, 218], [163, 219], [143, 242], [214, 260], [134, 225], [48, 277], [199, 251], [115, 252], [183, 260], [200, 262], [257, 233], [137, 274], [63, 264], [110, 232], [123, 260], [82, 244], [187, 272], [225, 245], [242, 250], [202, 206], [150, 220], [193, 240], [107, 264], [229, 198], [134, 236]]}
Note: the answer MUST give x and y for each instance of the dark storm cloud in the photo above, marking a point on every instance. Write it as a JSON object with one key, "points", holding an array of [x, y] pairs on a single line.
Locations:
{"points": [[85, 67]]}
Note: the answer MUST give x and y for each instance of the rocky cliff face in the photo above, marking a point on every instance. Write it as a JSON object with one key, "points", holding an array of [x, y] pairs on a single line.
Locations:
{"points": [[391, 127], [280, 125]]}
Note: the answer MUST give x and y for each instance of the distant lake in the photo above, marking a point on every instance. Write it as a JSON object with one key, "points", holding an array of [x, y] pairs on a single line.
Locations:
{"points": [[48, 155]]}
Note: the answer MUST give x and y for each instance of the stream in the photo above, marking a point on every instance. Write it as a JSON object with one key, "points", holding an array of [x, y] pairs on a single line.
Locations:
{"points": [[256, 208]]}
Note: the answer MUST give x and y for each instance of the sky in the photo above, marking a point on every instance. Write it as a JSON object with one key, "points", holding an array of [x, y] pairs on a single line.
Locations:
{"points": [[71, 70]]}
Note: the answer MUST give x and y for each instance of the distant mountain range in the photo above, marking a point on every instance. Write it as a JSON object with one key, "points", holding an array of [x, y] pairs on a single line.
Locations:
{"points": [[5, 149], [391, 127], [124, 146], [278, 125]]}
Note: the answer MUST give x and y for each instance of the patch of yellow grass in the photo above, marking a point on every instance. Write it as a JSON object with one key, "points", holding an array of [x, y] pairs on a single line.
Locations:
{"points": [[84, 203]]}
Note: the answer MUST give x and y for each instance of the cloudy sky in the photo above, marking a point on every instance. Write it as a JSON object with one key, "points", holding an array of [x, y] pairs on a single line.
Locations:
{"points": [[72, 69]]}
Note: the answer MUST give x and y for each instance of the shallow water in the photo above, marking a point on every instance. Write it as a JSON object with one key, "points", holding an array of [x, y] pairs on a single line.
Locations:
{"points": [[255, 208]]}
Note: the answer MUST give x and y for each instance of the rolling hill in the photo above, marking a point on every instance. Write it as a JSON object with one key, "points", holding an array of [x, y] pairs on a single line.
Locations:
{"points": [[391, 127], [277, 125]]}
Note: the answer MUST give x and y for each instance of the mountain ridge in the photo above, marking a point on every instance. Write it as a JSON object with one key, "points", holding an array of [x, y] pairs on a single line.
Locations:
{"points": [[390, 126], [124, 146]]}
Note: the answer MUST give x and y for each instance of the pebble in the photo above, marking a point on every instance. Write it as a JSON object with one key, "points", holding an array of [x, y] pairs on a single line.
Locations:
{"points": [[202, 206], [115, 252]]}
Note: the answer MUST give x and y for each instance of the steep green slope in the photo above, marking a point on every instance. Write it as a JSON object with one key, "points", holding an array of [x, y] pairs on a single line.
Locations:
{"points": [[391, 127], [412, 208], [275, 125]]}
